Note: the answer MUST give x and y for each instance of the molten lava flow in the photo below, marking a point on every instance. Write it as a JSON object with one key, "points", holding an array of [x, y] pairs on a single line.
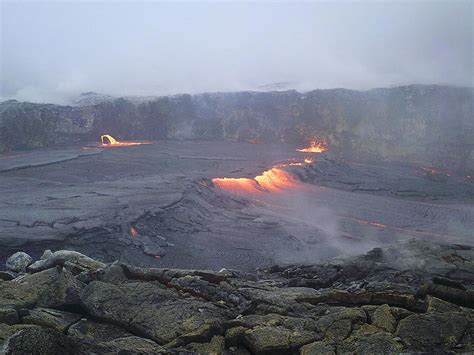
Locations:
{"points": [[133, 232], [315, 146], [275, 179], [108, 141], [375, 224], [272, 180], [236, 184]]}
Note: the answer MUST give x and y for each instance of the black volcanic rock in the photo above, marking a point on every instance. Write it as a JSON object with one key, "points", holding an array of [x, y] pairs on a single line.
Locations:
{"points": [[148, 311]]}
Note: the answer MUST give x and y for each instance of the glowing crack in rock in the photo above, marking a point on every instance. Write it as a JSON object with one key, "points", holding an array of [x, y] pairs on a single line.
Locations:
{"points": [[375, 224]]}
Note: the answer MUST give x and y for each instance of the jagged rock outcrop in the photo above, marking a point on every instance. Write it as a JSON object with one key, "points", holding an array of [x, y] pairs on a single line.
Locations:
{"points": [[416, 123], [376, 303]]}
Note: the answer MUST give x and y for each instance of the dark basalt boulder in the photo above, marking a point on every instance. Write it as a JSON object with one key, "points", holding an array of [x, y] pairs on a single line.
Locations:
{"points": [[18, 262], [153, 311], [50, 318], [429, 332], [83, 308], [55, 287]]}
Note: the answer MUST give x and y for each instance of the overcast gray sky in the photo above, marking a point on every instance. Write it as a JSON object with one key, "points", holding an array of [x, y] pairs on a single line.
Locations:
{"points": [[53, 50]]}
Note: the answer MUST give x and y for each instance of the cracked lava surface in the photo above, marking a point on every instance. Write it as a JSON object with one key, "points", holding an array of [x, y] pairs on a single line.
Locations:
{"points": [[220, 204]]}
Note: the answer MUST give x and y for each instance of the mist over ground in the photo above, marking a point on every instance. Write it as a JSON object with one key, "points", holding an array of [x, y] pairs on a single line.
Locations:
{"points": [[52, 51]]}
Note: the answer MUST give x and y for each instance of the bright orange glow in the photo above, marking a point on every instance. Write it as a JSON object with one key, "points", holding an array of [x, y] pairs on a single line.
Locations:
{"points": [[271, 180], [315, 146], [275, 179], [133, 232], [236, 184], [108, 141], [375, 224]]}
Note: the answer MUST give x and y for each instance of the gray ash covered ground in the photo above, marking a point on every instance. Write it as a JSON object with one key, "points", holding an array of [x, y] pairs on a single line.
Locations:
{"points": [[154, 205]]}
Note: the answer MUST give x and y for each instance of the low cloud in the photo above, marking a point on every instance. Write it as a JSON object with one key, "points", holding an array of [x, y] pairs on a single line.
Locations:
{"points": [[52, 51]]}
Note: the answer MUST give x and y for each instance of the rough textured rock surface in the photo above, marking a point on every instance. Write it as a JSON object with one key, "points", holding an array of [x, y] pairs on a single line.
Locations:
{"points": [[429, 124], [18, 262], [377, 303], [164, 191], [65, 257]]}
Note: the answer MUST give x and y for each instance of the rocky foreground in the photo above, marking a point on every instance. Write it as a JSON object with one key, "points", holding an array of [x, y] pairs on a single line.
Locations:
{"points": [[417, 297]]}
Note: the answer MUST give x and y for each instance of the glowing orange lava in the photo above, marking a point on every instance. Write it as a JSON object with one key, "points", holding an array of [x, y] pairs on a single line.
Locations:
{"points": [[236, 184], [272, 180], [108, 141], [315, 146], [375, 224], [133, 232], [275, 179]]}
